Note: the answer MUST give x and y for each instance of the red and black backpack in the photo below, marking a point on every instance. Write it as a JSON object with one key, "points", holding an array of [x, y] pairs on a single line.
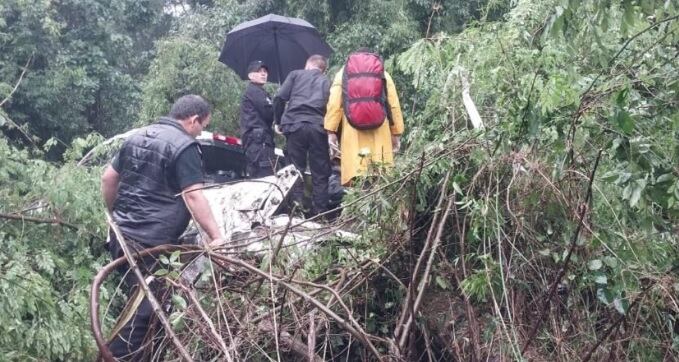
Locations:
{"points": [[364, 91]]}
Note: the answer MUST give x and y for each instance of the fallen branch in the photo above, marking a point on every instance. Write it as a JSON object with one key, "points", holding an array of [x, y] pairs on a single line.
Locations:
{"points": [[291, 342], [206, 318], [355, 331], [16, 216], [39, 220], [425, 276], [407, 309], [157, 309], [103, 273]]}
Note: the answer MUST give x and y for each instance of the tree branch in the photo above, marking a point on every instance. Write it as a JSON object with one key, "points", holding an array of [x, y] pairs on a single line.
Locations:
{"points": [[16, 86], [38, 220]]}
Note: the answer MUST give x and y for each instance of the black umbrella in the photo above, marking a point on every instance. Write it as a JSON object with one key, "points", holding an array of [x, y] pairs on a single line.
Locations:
{"points": [[282, 43]]}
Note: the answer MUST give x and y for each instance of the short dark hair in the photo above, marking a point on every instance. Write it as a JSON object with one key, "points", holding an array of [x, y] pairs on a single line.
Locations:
{"points": [[319, 61], [189, 106]]}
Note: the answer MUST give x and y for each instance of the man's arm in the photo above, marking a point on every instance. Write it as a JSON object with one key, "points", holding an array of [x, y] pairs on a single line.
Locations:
{"points": [[109, 186], [201, 212], [189, 175], [278, 109], [282, 97]]}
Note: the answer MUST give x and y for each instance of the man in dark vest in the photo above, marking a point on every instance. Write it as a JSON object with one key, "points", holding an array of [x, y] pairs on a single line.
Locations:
{"points": [[256, 119], [141, 188], [306, 94]]}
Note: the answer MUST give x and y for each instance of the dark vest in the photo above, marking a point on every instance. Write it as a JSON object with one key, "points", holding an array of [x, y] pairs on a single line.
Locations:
{"points": [[146, 208]]}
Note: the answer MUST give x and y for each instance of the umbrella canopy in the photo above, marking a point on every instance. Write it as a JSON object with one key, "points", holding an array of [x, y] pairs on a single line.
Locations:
{"points": [[282, 43]]}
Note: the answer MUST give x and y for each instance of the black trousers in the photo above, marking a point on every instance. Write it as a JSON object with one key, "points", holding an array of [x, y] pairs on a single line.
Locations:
{"points": [[132, 343], [309, 144], [259, 152]]}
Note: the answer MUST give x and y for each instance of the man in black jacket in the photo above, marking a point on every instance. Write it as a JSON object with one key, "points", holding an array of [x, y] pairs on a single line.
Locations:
{"points": [[256, 118], [306, 94], [140, 188]]}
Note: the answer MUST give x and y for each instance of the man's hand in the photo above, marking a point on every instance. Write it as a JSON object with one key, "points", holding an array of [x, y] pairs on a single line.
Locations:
{"points": [[395, 143], [215, 243], [109, 186], [334, 145], [201, 212]]}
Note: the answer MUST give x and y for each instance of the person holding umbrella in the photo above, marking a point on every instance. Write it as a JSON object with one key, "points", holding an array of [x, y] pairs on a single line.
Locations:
{"points": [[283, 43], [256, 118], [306, 92]]}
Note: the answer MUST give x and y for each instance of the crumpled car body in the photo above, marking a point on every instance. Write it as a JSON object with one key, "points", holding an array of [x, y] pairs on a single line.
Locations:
{"points": [[247, 213]]}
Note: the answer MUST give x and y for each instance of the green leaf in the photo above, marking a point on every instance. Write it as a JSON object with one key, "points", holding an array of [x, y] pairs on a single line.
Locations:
{"points": [[164, 259], [161, 272], [179, 302], [594, 264], [604, 295], [174, 256], [601, 279], [610, 176], [611, 261], [621, 305], [624, 121], [635, 196], [457, 188], [176, 319], [664, 178], [442, 282]]}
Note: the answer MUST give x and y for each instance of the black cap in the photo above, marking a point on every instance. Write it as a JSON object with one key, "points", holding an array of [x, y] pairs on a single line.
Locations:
{"points": [[256, 65]]}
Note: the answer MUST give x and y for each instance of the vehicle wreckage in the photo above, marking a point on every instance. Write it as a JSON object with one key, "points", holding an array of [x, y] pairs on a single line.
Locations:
{"points": [[218, 298]]}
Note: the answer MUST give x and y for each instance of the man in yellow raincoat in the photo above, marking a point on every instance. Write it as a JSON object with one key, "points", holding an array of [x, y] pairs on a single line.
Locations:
{"points": [[361, 147]]}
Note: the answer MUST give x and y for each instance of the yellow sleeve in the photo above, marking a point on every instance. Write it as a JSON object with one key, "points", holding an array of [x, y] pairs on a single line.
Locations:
{"points": [[334, 112], [397, 127]]}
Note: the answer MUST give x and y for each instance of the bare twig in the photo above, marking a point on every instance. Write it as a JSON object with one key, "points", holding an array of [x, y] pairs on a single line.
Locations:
{"points": [[425, 277], [206, 318], [356, 330], [291, 342], [105, 272], [564, 267], [621, 318]]}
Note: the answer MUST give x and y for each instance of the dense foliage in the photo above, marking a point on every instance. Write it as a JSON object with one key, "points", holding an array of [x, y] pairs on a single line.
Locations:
{"points": [[561, 238], [81, 61], [48, 258]]}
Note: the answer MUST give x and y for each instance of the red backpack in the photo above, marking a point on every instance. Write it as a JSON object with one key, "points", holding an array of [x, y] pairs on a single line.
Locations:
{"points": [[364, 91]]}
